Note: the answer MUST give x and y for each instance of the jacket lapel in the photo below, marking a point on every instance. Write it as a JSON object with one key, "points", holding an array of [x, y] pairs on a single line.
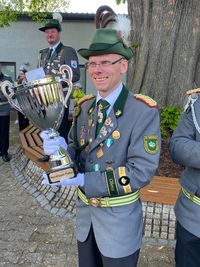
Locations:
{"points": [[109, 126], [57, 51], [111, 122]]}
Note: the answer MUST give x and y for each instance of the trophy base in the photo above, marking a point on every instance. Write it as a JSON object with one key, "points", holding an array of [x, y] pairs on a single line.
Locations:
{"points": [[55, 176]]}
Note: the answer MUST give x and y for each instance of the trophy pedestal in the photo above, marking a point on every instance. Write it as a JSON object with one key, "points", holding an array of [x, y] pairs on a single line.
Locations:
{"points": [[55, 176], [61, 166]]}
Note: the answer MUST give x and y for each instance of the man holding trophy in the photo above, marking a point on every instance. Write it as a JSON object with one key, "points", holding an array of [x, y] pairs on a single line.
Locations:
{"points": [[114, 143]]}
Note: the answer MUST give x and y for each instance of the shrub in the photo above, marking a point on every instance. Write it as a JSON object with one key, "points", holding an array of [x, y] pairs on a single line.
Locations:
{"points": [[170, 116]]}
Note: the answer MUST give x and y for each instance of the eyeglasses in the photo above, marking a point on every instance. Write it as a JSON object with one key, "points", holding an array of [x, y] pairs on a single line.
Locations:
{"points": [[102, 64]]}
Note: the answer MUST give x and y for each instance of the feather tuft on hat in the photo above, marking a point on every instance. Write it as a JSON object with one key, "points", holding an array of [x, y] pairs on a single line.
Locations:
{"points": [[123, 26], [57, 16], [106, 18], [111, 35]]}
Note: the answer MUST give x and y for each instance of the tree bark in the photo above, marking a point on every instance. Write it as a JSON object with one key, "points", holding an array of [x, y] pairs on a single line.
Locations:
{"points": [[167, 59]]}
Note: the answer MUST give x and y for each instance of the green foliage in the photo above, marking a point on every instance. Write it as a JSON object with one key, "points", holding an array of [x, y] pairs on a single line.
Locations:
{"points": [[36, 9], [121, 1], [7, 17], [170, 116]]}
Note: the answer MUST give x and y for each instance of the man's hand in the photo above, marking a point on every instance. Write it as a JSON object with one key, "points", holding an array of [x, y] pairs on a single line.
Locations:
{"points": [[51, 145], [76, 181]]}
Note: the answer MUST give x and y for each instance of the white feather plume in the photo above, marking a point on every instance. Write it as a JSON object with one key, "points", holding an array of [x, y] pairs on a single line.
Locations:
{"points": [[123, 26], [57, 16]]}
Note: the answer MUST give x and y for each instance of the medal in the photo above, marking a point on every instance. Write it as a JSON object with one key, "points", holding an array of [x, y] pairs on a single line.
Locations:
{"points": [[103, 131], [90, 123], [108, 121], [100, 151], [118, 113], [96, 167], [116, 134], [83, 132], [100, 117], [82, 142], [109, 142]]}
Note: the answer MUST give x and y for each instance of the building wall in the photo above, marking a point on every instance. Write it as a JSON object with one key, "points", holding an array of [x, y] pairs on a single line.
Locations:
{"points": [[21, 42]]}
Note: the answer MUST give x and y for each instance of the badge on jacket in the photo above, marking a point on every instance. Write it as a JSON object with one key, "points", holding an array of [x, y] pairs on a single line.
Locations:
{"points": [[74, 64], [151, 144]]}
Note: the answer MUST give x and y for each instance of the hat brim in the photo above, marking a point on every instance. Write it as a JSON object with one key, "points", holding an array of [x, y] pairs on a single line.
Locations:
{"points": [[102, 49], [42, 29]]}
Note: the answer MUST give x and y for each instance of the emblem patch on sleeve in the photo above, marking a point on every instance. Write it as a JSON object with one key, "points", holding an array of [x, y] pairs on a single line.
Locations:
{"points": [[151, 144], [74, 64]]}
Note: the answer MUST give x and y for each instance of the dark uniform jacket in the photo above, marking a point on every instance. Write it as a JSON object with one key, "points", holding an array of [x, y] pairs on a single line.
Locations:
{"points": [[184, 149], [4, 105], [128, 145], [62, 55]]}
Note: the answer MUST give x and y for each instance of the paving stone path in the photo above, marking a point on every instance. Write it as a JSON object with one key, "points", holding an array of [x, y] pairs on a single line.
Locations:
{"points": [[37, 225]]}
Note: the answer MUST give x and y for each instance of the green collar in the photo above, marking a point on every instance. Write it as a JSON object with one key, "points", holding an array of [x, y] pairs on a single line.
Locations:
{"points": [[59, 47], [92, 107], [120, 102]]}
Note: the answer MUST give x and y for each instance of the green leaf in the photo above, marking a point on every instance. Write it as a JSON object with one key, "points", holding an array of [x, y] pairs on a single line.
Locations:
{"points": [[170, 116]]}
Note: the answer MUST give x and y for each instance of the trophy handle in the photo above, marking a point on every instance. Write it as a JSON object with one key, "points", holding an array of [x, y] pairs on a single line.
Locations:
{"points": [[63, 70], [7, 89], [7, 86]]}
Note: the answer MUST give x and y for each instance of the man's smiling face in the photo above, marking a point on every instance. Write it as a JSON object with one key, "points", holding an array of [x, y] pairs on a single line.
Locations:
{"points": [[105, 72]]}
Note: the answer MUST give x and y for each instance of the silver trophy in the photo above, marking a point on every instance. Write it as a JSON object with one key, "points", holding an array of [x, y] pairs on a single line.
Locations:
{"points": [[43, 103]]}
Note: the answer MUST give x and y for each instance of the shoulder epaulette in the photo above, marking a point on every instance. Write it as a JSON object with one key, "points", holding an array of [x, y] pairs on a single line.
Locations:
{"points": [[193, 91], [42, 50], [77, 109], [85, 98], [146, 99]]}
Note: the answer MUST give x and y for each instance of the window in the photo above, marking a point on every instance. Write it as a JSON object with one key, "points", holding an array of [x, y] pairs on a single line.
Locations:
{"points": [[9, 68]]}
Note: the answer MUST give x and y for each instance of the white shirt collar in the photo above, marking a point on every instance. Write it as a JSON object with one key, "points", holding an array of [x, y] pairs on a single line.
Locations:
{"points": [[54, 47], [112, 97]]}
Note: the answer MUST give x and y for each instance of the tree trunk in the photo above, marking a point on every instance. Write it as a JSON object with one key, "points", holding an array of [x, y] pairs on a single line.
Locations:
{"points": [[167, 59]]}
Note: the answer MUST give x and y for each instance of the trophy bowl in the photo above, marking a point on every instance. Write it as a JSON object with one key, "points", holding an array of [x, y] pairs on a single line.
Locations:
{"points": [[43, 103]]}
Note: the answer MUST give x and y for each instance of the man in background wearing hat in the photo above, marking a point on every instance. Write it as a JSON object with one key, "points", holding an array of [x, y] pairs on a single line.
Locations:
{"points": [[56, 55], [115, 142]]}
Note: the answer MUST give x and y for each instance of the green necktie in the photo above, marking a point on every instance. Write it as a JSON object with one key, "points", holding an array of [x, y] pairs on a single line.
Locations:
{"points": [[103, 106], [49, 53]]}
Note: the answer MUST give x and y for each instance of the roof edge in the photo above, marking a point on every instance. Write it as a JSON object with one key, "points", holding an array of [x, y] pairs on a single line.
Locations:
{"points": [[65, 16]]}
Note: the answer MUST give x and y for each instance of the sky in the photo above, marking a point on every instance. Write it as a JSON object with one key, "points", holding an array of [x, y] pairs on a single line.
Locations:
{"points": [[90, 6]]}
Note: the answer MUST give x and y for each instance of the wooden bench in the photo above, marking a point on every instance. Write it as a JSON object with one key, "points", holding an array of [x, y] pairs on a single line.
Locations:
{"points": [[31, 143], [162, 190]]}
